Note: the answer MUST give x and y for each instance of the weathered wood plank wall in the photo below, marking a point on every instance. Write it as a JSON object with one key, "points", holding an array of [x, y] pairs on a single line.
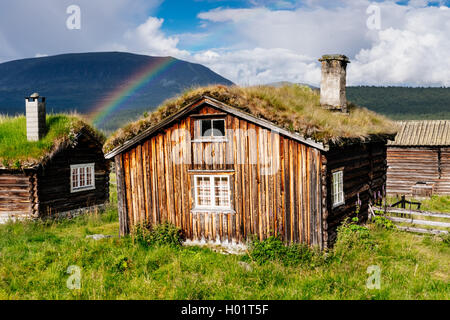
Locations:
{"points": [[275, 183], [408, 166]]}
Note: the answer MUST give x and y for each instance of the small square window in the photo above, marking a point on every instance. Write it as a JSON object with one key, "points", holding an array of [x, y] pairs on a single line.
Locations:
{"points": [[212, 128], [82, 177]]}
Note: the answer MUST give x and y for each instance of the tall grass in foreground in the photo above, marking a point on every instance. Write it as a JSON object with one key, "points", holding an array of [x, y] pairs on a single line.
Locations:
{"points": [[35, 256]]}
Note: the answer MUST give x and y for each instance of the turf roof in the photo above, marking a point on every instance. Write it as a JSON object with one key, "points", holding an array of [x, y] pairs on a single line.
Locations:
{"points": [[17, 152], [292, 107]]}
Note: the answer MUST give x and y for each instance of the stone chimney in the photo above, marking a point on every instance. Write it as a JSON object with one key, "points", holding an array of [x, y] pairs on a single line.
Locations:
{"points": [[332, 86], [35, 113]]}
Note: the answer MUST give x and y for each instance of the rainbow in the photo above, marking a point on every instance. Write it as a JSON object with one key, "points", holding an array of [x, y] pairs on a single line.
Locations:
{"points": [[118, 97]]}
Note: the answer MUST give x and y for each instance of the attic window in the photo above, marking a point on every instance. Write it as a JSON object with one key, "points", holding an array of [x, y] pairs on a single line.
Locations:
{"points": [[212, 128], [337, 188], [82, 177]]}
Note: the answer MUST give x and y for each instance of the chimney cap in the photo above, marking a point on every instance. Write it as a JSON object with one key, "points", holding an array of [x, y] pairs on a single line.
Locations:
{"points": [[34, 95], [339, 57]]}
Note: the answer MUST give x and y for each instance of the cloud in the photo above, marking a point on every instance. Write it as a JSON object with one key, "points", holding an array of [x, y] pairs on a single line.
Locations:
{"points": [[260, 66], [148, 38], [416, 54], [411, 48], [269, 41], [27, 27]]}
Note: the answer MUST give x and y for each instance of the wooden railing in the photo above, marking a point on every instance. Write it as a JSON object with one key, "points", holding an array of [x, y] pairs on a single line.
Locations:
{"points": [[410, 219], [403, 202]]}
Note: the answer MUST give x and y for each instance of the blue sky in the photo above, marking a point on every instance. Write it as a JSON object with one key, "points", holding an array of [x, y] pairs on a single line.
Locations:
{"points": [[247, 41]]}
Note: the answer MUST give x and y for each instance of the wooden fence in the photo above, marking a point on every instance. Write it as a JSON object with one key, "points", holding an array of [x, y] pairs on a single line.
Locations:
{"points": [[416, 220]]}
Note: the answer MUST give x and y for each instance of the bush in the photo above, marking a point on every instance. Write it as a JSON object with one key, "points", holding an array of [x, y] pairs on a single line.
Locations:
{"points": [[273, 249], [122, 264], [160, 234], [383, 222], [351, 234]]}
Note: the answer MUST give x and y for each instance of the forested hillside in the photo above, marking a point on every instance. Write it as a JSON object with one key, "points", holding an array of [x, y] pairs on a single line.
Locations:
{"points": [[403, 103]]}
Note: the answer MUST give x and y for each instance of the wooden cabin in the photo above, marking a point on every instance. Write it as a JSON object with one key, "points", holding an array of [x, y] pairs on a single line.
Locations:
{"points": [[419, 159], [227, 163], [53, 167]]}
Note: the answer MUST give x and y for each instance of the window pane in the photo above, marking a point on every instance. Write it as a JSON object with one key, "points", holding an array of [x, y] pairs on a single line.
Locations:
{"points": [[203, 191], [88, 176], [82, 181], [338, 188], [221, 192], [206, 128], [74, 177], [219, 128]]}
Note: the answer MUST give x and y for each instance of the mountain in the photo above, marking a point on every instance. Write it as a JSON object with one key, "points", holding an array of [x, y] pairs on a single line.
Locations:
{"points": [[82, 81]]}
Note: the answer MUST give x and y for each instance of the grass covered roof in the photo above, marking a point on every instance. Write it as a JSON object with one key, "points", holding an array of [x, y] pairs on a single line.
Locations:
{"points": [[292, 107], [17, 152]]}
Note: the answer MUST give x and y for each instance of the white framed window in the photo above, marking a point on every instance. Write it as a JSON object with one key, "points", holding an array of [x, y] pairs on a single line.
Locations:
{"points": [[337, 188], [82, 177], [212, 192], [212, 128]]}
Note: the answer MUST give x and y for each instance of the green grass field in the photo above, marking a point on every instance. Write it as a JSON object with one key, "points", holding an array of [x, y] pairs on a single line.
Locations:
{"points": [[35, 257], [434, 204]]}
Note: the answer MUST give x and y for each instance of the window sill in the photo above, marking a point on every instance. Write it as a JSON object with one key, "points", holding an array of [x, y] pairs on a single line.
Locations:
{"points": [[82, 189], [210, 140], [338, 205], [213, 210]]}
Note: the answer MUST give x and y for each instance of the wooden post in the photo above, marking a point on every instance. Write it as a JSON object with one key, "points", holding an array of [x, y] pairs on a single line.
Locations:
{"points": [[121, 196]]}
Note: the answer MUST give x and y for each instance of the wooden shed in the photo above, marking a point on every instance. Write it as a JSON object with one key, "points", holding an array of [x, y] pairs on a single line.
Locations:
{"points": [[227, 163], [419, 159], [58, 170]]}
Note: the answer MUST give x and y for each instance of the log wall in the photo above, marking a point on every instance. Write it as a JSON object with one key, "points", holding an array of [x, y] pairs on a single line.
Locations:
{"points": [[364, 177], [46, 190], [408, 166], [275, 183], [54, 179], [17, 195]]}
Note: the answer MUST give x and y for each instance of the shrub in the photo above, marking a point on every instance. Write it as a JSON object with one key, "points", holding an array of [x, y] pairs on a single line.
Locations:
{"points": [[273, 249], [351, 234], [383, 222], [122, 264], [160, 234]]}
